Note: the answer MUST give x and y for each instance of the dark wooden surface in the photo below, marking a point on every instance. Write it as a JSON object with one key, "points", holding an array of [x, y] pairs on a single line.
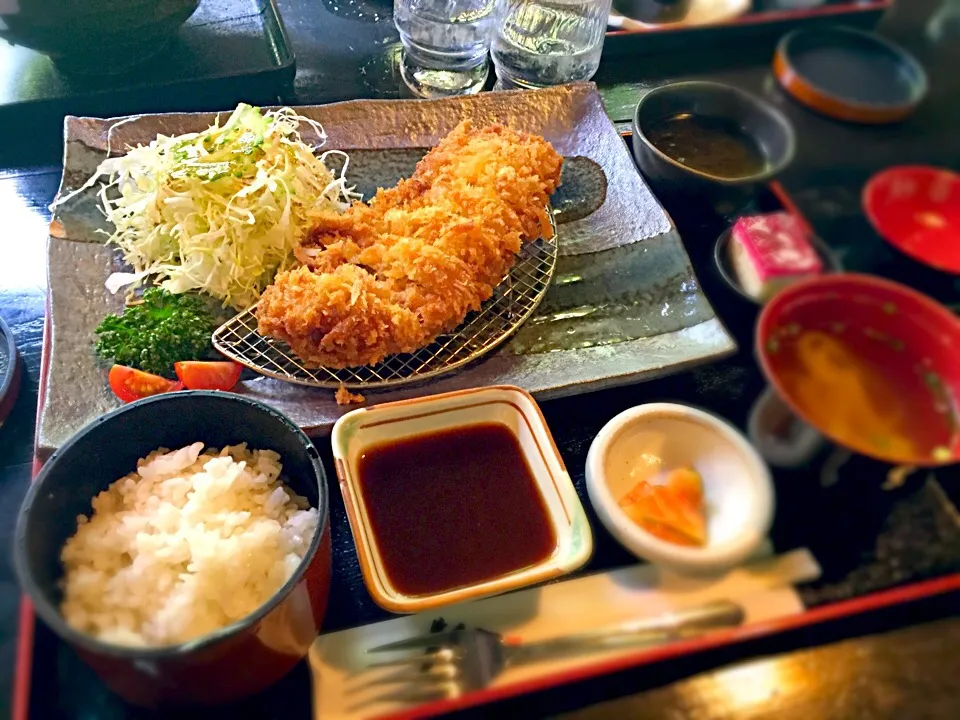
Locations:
{"points": [[899, 663], [872, 677]]}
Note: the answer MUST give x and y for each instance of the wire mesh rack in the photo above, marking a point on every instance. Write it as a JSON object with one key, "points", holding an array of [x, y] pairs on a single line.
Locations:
{"points": [[513, 301]]}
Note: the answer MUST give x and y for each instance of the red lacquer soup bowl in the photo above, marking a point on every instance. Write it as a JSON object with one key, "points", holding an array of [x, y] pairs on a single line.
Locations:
{"points": [[845, 341], [917, 210], [238, 660]]}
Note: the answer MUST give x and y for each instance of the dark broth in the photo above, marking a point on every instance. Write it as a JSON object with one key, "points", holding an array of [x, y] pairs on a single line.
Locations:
{"points": [[711, 145], [454, 508]]}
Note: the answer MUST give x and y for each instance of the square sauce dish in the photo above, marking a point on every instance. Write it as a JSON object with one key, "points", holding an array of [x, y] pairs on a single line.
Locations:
{"points": [[457, 496]]}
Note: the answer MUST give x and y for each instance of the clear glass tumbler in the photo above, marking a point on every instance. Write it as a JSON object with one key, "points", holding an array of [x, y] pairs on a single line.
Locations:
{"points": [[445, 44], [548, 42]]}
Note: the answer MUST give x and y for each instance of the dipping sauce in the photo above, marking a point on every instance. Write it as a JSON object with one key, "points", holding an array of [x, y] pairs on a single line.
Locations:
{"points": [[866, 390], [454, 508], [715, 146]]}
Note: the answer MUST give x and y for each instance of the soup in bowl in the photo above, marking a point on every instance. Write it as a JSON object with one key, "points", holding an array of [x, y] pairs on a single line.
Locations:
{"points": [[868, 363]]}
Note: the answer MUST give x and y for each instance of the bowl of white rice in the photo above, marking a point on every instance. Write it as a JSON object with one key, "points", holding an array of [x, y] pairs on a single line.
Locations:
{"points": [[181, 545]]}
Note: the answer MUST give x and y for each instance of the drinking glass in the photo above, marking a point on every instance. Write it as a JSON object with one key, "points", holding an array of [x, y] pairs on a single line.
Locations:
{"points": [[445, 44], [548, 42]]}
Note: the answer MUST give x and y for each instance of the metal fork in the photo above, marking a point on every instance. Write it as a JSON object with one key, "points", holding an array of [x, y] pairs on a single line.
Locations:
{"points": [[461, 660]]}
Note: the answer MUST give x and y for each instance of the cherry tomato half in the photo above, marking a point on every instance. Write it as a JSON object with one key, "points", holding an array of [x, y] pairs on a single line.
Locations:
{"points": [[130, 384], [198, 375]]}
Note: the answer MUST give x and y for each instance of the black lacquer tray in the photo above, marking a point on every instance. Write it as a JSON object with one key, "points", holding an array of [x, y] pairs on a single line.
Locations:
{"points": [[877, 548]]}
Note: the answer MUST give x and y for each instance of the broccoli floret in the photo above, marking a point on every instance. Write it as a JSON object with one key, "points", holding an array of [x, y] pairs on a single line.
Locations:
{"points": [[153, 335]]}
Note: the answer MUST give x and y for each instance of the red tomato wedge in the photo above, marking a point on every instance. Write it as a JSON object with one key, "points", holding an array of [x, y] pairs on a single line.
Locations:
{"points": [[198, 375], [130, 384]]}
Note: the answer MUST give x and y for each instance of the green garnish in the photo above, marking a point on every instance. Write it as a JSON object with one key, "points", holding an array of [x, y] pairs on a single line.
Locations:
{"points": [[153, 335]]}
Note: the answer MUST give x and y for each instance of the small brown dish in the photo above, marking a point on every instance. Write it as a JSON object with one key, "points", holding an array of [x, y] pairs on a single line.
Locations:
{"points": [[710, 140], [721, 260], [227, 664], [850, 75]]}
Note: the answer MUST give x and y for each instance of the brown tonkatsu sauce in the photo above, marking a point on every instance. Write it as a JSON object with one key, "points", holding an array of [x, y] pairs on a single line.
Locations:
{"points": [[454, 508]]}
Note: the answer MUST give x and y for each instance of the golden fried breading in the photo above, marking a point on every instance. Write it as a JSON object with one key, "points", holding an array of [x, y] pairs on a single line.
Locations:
{"points": [[326, 317], [392, 275], [345, 397]]}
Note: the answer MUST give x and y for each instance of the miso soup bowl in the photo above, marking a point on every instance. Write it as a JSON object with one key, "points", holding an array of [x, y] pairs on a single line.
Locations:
{"points": [[359, 430], [238, 660], [927, 332]]}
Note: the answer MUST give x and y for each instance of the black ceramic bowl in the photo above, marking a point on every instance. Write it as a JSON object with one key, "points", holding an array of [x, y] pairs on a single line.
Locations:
{"points": [[95, 36], [230, 663], [772, 132]]}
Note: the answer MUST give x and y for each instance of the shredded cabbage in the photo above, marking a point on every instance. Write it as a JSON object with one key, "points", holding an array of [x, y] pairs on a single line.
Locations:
{"points": [[220, 211]]}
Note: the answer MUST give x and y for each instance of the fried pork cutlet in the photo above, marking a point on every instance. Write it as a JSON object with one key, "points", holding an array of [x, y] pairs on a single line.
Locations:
{"points": [[390, 276]]}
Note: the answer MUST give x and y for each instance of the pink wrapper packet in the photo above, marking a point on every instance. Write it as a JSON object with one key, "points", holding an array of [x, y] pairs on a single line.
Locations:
{"points": [[769, 252]]}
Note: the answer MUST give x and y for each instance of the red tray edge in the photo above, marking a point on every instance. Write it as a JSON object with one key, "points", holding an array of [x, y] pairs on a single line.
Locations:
{"points": [[833, 611], [23, 664]]}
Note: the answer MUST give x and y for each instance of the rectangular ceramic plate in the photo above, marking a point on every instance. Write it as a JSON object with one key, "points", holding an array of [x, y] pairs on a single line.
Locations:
{"points": [[624, 305]]}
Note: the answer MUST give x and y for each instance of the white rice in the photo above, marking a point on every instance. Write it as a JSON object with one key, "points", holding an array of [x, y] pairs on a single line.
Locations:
{"points": [[191, 542]]}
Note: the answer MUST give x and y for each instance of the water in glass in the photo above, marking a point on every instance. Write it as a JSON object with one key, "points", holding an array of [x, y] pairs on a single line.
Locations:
{"points": [[445, 44], [548, 42]]}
